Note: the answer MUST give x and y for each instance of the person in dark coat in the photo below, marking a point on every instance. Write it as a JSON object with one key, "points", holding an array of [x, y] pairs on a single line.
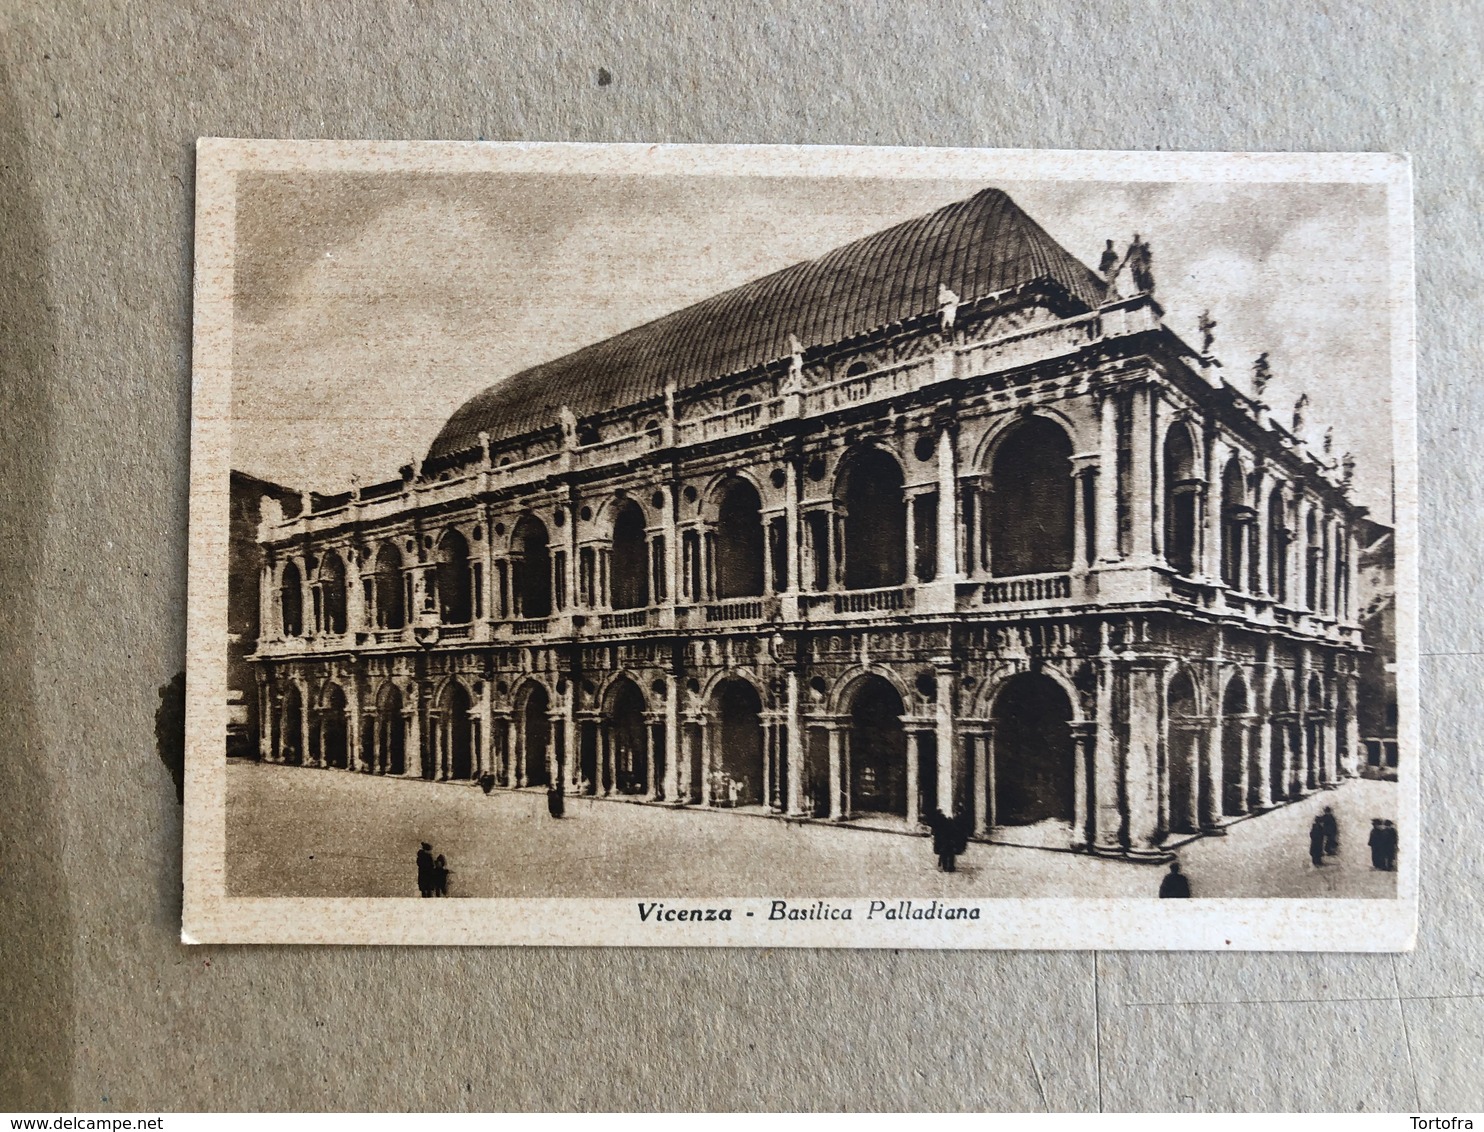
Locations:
{"points": [[486, 782], [946, 837], [556, 801], [1316, 841], [440, 876], [1377, 842], [1175, 885], [1389, 846], [425, 870], [1331, 832]]}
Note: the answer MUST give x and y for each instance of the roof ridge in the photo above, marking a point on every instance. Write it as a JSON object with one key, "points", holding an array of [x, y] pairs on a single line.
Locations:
{"points": [[978, 245]]}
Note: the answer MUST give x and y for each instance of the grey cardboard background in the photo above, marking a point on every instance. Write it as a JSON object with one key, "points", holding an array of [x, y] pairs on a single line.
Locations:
{"points": [[100, 106]]}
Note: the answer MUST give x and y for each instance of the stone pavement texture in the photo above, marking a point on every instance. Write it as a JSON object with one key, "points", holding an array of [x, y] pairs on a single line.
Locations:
{"points": [[304, 832]]}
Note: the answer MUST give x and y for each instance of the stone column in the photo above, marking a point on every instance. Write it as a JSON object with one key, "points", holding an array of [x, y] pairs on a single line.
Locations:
{"points": [[265, 720], [1107, 810], [945, 727], [1262, 706], [916, 740], [911, 503], [652, 746], [1352, 729], [947, 509], [673, 745], [978, 746], [796, 748], [1107, 481], [1141, 774], [308, 625], [770, 757], [1084, 740], [1214, 768], [306, 757], [703, 731], [1261, 536], [838, 811], [1142, 476], [442, 726], [1079, 511], [412, 747], [1195, 752], [354, 757], [1215, 503], [793, 527], [556, 724], [1246, 727]]}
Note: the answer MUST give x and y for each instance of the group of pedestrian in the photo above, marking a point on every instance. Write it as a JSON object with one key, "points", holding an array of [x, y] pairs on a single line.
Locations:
{"points": [[950, 838], [1383, 843], [432, 872], [1324, 841], [1324, 837]]}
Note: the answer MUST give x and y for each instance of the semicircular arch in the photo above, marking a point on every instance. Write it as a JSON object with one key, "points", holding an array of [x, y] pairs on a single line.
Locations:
{"points": [[850, 681]]}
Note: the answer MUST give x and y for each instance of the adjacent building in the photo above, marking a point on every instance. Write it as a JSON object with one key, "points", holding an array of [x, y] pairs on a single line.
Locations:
{"points": [[942, 519]]}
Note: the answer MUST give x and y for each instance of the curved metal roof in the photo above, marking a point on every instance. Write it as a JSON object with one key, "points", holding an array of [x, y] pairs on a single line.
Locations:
{"points": [[976, 247]]}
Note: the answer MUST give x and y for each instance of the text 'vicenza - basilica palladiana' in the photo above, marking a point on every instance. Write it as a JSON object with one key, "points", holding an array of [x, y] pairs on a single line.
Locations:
{"points": [[940, 520]]}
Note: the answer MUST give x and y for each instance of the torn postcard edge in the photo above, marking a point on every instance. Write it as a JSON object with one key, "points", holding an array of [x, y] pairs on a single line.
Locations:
{"points": [[789, 546]]}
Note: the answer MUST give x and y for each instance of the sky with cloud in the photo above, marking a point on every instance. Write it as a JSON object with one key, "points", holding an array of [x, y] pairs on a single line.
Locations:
{"points": [[369, 307]]}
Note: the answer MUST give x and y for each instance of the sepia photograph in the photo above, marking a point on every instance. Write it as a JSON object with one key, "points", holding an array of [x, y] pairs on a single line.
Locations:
{"points": [[787, 546]]}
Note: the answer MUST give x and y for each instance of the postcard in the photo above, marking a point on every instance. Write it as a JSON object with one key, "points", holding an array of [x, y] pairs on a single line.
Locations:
{"points": [[780, 546]]}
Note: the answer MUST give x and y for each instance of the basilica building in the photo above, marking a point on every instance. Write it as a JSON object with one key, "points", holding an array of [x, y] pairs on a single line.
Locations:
{"points": [[940, 520]]}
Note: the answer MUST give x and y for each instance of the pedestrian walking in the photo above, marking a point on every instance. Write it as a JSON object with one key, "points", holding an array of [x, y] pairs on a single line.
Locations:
{"points": [[1331, 832], [1389, 846], [556, 801], [1175, 885], [425, 870], [486, 782], [440, 876], [1377, 842], [1316, 842]]}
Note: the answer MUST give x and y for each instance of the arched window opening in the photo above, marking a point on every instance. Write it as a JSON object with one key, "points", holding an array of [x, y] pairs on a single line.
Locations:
{"points": [[388, 589], [1235, 518], [535, 737], [391, 733], [878, 750], [627, 742], [291, 601], [1189, 790], [856, 369], [530, 568], [1278, 741], [458, 733], [630, 579], [1278, 540], [1034, 778], [330, 598], [454, 592], [333, 730], [739, 542], [291, 726], [1234, 774], [1031, 501], [1315, 754], [1182, 500], [875, 521], [738, 774]]}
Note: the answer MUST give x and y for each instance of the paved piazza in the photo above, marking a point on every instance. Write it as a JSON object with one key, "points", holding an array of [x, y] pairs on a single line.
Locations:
{"points": [[304, 832]]}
